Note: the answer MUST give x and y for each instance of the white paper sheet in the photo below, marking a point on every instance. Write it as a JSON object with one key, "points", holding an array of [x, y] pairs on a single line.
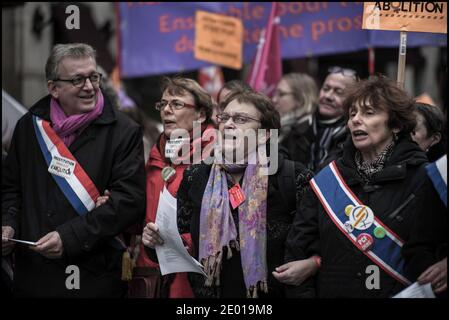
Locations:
{"points": [[20, 241], [416, 291], [172, 255]]}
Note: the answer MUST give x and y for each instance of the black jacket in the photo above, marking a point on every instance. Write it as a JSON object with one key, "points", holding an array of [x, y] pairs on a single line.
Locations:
{"points": [[397, 195], [279, 218], [110, 151], [303, 142]]}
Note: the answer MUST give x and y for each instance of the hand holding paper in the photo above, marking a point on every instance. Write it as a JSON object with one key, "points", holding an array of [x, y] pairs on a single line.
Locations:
{"points": [[172, 255]]}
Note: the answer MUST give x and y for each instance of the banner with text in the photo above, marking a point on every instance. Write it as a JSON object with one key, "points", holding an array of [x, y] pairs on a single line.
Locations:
{"points": [[159, 37]]}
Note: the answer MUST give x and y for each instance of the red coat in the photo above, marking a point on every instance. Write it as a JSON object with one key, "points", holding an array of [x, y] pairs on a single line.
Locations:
{"points": [[180, 286]]}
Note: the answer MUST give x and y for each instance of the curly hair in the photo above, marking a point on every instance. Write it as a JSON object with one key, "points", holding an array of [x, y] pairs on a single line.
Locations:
{"points": [[379, 92]]}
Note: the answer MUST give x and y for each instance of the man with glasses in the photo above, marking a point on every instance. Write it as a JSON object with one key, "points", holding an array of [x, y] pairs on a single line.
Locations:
{"points": [[66, 151], [318, 144]]}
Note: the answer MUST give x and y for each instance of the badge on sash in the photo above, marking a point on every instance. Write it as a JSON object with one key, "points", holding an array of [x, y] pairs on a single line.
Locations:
{"points": [[364, 241], [62, 167], [236, 196], [361, 217]]}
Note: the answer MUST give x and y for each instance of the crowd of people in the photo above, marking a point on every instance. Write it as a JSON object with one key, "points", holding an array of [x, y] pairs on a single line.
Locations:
{"points": [[350, 190]]}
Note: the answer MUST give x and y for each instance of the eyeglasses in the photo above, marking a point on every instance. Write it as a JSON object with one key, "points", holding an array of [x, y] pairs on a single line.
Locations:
{"points": [[174, 105], [344, 71], [236, 118], [280, 94], [79, 81]]}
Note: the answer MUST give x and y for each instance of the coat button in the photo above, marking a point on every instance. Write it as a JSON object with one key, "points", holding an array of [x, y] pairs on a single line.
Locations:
{"points": [[359, 274], [49, 213], [86, 246]]}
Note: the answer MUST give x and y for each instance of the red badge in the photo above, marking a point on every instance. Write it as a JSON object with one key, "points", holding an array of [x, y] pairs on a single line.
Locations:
{"points": [[364, 241], [236, 196]]}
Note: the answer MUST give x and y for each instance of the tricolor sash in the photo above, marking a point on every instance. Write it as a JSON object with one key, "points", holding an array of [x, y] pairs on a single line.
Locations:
{"points": [[335, 196], [437, 171], [77, 186]]}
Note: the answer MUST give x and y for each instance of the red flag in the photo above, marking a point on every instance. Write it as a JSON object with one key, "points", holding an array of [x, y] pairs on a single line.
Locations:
{"points": [[211, 79], [266, 70]]}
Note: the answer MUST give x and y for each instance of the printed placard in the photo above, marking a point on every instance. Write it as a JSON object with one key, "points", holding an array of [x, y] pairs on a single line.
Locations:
{"points": [[218, 39], [405, 16]]}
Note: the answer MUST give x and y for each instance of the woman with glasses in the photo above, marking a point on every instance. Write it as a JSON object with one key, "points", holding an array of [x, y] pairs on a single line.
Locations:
{"points": [[183, 102], [296, 98], [238, 215], [361, 209]]}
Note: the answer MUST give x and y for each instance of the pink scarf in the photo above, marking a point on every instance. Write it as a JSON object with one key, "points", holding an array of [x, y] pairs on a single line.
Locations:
{"points": [[69, 127]]}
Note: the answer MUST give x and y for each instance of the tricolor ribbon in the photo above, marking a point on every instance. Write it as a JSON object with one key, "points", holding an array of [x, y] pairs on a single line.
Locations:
{"points": [[437, 171], [335, 196], [78, 188]]}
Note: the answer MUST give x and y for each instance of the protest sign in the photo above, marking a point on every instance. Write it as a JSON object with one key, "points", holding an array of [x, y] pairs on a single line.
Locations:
{"points": [[218, 39]]}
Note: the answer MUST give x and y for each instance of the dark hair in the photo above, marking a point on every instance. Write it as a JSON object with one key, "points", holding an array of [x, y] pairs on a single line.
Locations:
{"points": [[234, 85], [181, 86], [379, 92], [270, 118], [433, 118]]}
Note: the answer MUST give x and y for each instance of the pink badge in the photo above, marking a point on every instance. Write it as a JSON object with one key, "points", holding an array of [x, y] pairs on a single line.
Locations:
{"points": [[236, 196], [364, 241]]}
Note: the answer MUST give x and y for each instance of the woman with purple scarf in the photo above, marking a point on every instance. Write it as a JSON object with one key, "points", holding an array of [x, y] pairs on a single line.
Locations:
{"points": [[235, 208]]}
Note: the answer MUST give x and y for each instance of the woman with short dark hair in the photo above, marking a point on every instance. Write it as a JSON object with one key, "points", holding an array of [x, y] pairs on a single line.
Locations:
{"points": [[182, 103], [430, 133], [237, 214], [361, 208]]}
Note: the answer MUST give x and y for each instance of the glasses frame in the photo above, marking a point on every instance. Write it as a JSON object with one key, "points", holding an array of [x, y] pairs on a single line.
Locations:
{"points": [[169, 103], [344, 71], [232, 117], [281, 94], [84, 80]]}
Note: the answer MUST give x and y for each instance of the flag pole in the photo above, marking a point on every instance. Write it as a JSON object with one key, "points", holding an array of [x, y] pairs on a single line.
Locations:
{"points": [[401, 60], [371, 61]]}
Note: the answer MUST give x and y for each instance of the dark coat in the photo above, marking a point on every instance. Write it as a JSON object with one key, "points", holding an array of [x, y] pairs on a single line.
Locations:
{"points": [[302, 140], [396, 195], [279, 218], [110, 151]]}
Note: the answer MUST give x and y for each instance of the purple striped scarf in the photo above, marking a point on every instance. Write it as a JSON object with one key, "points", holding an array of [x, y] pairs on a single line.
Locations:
{"points": [[217, 227]]}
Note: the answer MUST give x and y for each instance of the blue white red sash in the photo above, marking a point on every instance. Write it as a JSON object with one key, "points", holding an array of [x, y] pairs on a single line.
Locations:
{"points": [[437, 171], [78, 188], [335, 196]]}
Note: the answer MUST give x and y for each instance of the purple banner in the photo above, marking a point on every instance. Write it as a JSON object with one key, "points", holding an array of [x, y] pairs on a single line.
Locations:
{"points": [[158, 37]]}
